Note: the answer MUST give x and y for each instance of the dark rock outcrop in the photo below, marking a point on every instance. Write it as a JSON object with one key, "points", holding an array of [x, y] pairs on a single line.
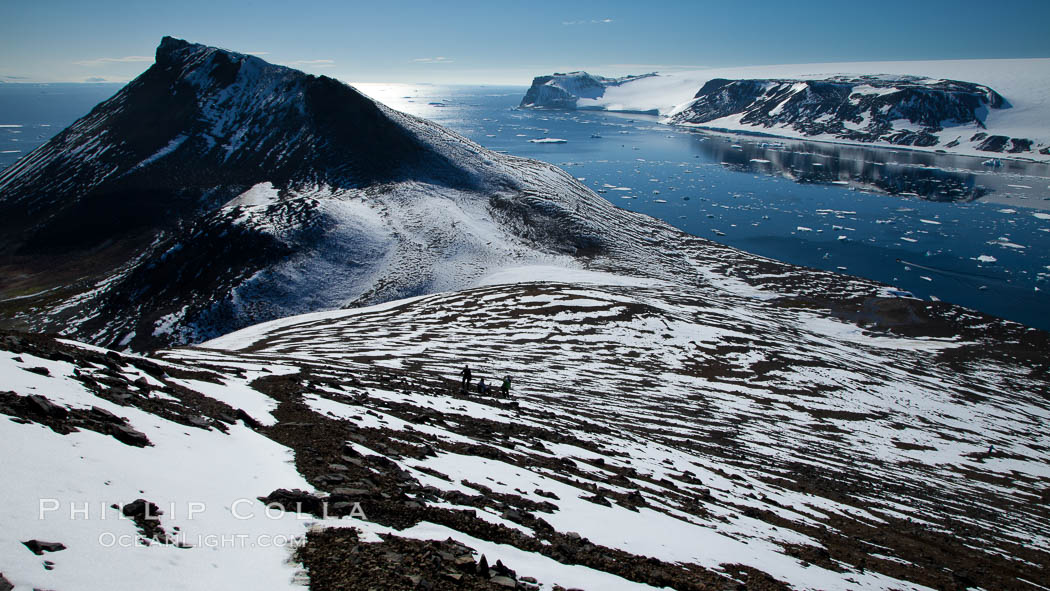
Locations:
{"points": [[39, 547]]}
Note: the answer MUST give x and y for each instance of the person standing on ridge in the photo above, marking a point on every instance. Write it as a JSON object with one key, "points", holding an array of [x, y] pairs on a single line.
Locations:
{"points": [[505, 388], [483, 388], [465, 372]]}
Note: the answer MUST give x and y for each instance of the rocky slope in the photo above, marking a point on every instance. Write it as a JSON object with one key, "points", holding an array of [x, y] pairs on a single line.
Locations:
{"points": [[216, 191], [746, 425]]}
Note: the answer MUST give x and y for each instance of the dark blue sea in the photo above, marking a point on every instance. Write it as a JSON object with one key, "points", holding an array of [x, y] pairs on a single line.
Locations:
{"points": [[937, 225]]}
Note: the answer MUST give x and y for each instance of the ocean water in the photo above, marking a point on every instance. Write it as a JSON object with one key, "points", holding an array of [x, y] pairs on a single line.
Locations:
{"points": [[937, 225], [31, 113]]}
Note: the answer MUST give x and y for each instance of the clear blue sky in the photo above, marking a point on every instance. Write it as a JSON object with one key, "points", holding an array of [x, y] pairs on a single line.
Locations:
{"points": [[497, 41]]}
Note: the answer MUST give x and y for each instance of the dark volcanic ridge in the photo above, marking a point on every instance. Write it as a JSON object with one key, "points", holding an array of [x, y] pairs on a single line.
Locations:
{"points": [[216, 191]]}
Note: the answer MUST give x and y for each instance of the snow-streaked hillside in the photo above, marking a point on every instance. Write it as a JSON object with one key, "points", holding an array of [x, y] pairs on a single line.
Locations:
{"points": [[734, 425], [217, 191], [1022, 82]]}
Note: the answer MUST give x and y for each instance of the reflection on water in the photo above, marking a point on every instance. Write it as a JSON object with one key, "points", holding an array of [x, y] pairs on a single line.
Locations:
{"points": [[936, 225], [895, 173]]}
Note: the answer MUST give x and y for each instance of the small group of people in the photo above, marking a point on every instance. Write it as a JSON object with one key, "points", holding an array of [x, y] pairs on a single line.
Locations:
{"points": [[483, 388]]}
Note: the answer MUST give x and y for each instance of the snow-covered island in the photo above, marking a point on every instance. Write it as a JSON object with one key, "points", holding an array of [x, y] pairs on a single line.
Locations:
{"points": [[975, 107], [575, 90]]}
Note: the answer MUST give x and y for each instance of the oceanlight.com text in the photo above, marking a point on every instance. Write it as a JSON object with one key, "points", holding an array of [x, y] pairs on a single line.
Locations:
{"points": [[223, 541]]}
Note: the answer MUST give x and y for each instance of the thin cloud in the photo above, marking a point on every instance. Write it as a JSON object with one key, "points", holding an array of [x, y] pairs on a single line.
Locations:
{"points": [[313, 63], [114, 60], [656, 67], [433, 60], [257, 52], [596, 21]]}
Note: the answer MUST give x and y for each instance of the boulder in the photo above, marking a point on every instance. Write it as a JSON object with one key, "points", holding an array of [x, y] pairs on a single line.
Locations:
{"points": [[142, 509], [42, 406], [294, 500], [127, 435], [105, 416], [38, 547], [505, 582]]}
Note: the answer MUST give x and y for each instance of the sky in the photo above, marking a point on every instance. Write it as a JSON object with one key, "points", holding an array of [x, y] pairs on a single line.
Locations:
{"points": [[508, 42]]}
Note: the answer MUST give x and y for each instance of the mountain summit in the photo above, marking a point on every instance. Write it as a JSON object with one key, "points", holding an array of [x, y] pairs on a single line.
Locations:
{"points": [[217, 190], [199, 119]]}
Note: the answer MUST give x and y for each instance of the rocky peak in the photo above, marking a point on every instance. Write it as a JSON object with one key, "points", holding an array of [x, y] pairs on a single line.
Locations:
{"points": [[217, 190], [200, 126]]}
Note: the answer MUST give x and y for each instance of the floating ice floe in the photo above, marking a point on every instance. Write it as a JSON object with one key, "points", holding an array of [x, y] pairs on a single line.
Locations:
{"points": [[548, 140], [1005, 242], [900, 293]]}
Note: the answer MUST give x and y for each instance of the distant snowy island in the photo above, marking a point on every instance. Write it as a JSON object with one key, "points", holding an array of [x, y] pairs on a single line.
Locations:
{"points": [[975, 107], [566, 91]]}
